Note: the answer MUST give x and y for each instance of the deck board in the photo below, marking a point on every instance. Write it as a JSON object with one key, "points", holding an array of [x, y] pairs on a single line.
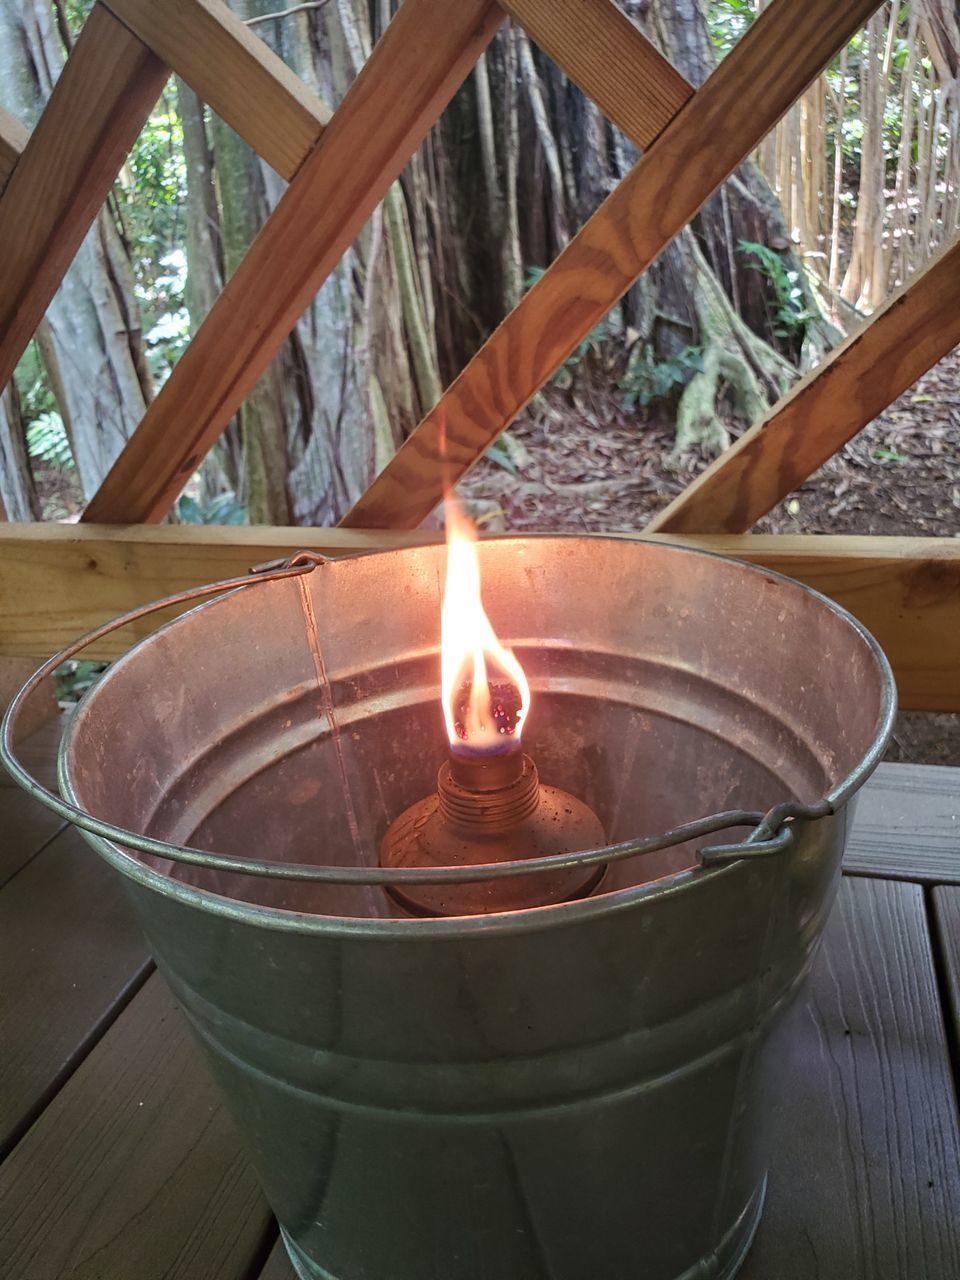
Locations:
{"points": [[25, 827], [38, 753], [70, 956], [946, 905], [907, 825], [865, 1183], [134, 1171]]}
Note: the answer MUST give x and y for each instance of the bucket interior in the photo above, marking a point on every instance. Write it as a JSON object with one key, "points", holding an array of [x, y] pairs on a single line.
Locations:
{"points": [[294, 720]]}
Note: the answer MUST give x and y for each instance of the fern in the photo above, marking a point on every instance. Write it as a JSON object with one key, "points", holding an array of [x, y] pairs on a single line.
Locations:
{"points": [[648, 379], [47, 441], [791, 315]]}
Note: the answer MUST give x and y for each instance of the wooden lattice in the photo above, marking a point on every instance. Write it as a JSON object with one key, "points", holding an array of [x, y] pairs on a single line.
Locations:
{"points": [[339, 165]]}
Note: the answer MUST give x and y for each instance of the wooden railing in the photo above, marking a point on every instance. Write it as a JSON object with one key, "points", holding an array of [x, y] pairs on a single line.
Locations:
{"points": [[56, 581], [59, 581], [339, 165]]}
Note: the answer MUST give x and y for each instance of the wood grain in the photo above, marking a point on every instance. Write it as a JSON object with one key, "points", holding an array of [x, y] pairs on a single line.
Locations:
{"points": [[59, 581], [134, 1171], [907, 825], [38, 752], [946, 909], [865, 1182], [76, 576], [758, 80], [70, 956], [421, 59], [98, 106], [905, 591], [26, 827], [607, 55], [917, 327], [42, 708], [234, 72], [13, 139]]}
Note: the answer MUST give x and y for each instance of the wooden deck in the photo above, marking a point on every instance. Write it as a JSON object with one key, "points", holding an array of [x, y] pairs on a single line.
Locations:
{"points": [[120, 1164]]}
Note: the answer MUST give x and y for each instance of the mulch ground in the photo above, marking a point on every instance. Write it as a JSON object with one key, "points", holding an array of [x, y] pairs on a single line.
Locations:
{"points": [[581, 462]]}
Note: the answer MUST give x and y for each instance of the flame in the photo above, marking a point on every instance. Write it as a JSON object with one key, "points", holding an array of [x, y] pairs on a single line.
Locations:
{"points": [[469, 649]]}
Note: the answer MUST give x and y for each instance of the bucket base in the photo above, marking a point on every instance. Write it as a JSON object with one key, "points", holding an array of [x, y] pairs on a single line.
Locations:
{"points": [[722, 1263]]}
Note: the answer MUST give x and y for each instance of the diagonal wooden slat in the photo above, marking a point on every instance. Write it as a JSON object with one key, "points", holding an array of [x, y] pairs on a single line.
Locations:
{"points": [[916, 328], [737, 106], [610, 59], [98, 106], [417, 65], [13, 138], [234, 72]]}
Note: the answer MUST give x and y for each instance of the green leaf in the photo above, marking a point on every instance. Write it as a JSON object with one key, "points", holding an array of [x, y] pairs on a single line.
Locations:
{"points": [[189, 510], [888, 455], [648, 379], [225, 509], [695, 359], [498, 453], [47, 441], [72, 679]]}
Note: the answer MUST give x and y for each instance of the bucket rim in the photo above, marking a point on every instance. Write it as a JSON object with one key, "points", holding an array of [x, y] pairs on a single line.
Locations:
{"points": [[285, 919]]}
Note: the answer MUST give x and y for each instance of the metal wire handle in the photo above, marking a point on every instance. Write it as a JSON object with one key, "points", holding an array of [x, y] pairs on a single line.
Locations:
{"points": [[772, 833]]}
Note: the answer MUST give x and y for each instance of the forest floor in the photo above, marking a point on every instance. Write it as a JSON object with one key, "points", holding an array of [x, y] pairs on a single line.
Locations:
{"points": [[580, 463]]}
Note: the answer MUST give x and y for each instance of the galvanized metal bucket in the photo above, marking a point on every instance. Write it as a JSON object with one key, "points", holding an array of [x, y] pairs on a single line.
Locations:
{"points": [[576, 1091]]}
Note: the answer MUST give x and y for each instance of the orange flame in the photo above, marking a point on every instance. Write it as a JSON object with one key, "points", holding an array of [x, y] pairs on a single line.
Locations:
{"points": [[469, 648]]}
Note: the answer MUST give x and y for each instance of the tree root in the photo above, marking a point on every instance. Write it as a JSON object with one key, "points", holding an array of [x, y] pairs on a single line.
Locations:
{"points": [[736, 364], [698, 423]]}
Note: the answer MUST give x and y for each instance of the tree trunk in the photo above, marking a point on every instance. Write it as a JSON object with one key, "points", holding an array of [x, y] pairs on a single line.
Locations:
{"points": [[420, 337], [91, 339], [511, 259], [861, 285], [557, 195], [223, 467], [753, 213], [262, 426], [203, 246], [699, 292], [340, 382], [18, 494]]}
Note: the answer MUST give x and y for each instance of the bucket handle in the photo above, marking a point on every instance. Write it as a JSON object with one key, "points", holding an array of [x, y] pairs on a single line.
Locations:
{"points": [[772, 832]]}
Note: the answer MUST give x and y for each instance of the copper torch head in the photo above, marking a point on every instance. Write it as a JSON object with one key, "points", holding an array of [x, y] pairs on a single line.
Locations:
{"points": [[492, 808]]}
